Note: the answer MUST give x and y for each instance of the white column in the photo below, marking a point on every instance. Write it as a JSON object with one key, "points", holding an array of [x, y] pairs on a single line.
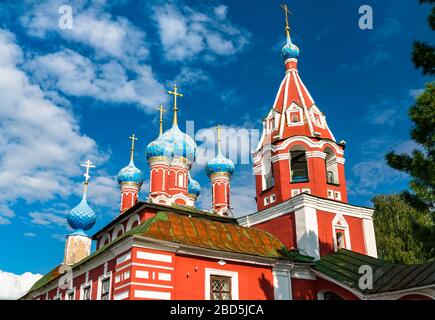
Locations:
{"points": [[307, 235], [369, 238], [282, 283]]}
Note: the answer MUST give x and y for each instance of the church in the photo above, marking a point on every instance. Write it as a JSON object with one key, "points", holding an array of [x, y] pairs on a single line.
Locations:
{"points": [[304, 242]]}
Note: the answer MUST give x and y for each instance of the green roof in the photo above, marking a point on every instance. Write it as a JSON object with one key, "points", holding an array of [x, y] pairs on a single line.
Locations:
{"points": [[199, 232], [343, 266]]}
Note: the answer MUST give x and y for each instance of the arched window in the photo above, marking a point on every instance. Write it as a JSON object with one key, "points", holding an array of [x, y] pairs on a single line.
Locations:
{"points": [[181, 180], [331, 167], [298, 166]]}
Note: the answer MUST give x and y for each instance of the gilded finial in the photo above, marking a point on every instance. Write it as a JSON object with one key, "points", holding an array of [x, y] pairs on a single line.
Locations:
{"points": [[88, 165], [161, 109], [287, 27], [132, 138], [175, 94]]}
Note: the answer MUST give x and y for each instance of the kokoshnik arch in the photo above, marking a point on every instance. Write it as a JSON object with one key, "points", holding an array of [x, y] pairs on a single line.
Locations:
{"points": [[304, 242]]}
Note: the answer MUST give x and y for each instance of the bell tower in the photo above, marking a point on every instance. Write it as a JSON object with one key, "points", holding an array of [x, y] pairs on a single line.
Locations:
{"points": [[297, 152]]}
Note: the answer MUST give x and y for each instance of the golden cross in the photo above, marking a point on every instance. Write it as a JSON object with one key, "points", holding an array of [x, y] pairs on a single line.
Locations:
{"points": [[219, 138], [132, 138], [175, 94], [88, 165], [161, 109], [286, 11]]}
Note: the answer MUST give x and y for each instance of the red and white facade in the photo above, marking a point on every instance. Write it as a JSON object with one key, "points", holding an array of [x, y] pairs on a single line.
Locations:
{"points": [[302, 201]]}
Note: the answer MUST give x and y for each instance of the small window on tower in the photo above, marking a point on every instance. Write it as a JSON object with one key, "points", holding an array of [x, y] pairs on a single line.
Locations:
{"points": [[298, 165], [220, 288], [295, 118]]}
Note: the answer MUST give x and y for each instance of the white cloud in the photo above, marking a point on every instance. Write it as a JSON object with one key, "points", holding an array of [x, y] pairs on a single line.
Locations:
{"points": [[29, 234], [116, 72], [186, 34], [370, 174], [47, 219], [14, 286], [41, 146], [6, 214], [92, 26], [76, 75]]}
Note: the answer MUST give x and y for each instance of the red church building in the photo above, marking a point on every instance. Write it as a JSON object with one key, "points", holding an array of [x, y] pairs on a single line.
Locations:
{"points": [[304, 242]]}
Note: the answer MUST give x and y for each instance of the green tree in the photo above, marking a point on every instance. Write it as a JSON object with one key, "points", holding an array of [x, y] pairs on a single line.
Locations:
{"points": [[396, 237], [423, 54], [420, 164]]}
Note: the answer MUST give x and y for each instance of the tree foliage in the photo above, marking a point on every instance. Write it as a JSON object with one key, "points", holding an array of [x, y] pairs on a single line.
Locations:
{"points": [[397, 228]]}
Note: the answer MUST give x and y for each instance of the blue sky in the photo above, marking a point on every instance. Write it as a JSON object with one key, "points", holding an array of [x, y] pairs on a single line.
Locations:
{"points": [[69, 95]]}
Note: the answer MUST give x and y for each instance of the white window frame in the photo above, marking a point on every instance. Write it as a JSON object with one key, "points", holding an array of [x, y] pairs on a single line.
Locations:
{"points": [[337, 195], [67, 292], [100, 285], [292, 109], [272, 198], [266, 201], [342, 226], [295, 192], [82, 291], [218, 272]]}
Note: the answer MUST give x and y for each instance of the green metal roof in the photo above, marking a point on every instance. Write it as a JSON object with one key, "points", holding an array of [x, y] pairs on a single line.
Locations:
{"points": [[343, 266], [201, 232]]}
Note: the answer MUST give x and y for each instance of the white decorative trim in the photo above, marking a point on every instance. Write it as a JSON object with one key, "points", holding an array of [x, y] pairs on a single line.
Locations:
{"points": [[84, 285], [154, 256], [218, 272], [307, 235], [370, 238], [305, 108], [121, 295], [123, 258], [344, 226], [302, 272], [280, 156], [134, 218], [315, 154], [68, 291], [119, 227], [100, 283], [305, 200], [105, 239], [282, 286], [146, 294]]}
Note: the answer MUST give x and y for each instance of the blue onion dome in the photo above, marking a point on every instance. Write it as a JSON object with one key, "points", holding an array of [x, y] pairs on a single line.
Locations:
{"points": [[289, 50], [219, 164], [155, 148], [178, 144], [193, 187], [81, 217], [130, 174]]}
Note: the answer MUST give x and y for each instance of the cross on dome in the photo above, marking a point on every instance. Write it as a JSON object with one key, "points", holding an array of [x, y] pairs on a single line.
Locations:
{"points": [[88, 165], [176, 94], [132, 138], [161, 109]]}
